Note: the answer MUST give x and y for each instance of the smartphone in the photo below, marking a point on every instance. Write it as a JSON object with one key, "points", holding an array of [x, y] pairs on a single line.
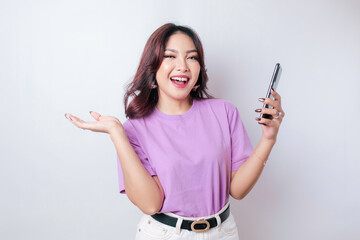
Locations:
{"points": [[273, 84]]}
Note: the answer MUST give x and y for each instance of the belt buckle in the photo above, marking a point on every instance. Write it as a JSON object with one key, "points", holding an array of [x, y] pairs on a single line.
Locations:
{"points": [[201, 221]]}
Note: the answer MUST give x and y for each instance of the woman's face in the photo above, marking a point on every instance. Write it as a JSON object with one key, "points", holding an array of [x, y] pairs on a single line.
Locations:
{"points": [[179, 70]]}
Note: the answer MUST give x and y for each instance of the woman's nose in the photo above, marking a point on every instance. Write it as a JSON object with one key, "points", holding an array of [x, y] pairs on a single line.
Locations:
{"points": [[182, 66]]}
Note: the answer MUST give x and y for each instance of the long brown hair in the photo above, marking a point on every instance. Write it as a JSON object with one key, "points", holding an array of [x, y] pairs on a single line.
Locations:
{"points": [[144, 97]]}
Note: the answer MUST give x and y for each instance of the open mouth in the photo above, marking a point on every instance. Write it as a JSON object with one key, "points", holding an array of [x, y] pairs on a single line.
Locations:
{"points": [[179, 80]]}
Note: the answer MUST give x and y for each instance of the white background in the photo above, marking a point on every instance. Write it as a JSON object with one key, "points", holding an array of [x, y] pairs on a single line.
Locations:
{"points": [[60, 182]]}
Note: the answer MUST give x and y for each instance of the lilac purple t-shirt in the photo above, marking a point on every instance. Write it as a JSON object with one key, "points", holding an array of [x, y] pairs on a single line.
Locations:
{"points": [[193, 154]]}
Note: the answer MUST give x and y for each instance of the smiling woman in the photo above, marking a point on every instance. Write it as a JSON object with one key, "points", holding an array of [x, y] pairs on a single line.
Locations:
{"points": [[182, 153], [170, 48], [177, 74]]}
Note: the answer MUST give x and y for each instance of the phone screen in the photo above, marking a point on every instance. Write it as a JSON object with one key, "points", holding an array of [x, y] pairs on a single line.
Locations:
{"points": [[273, 84]]}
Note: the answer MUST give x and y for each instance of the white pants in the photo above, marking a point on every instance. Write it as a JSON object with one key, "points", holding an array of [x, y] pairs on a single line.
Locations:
{"points": [[150, 229]]}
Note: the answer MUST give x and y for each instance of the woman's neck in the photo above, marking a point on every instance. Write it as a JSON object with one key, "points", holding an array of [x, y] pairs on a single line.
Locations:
{"points": [[174, 107]]}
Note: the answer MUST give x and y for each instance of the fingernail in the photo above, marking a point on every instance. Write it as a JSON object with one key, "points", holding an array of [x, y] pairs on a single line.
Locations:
{"points": [[258, 110], [261, 99], [68, 117], [257, 119]]}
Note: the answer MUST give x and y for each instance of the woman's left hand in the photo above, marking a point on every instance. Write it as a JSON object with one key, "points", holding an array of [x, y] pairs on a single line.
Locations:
{"points": [[270, 127]]}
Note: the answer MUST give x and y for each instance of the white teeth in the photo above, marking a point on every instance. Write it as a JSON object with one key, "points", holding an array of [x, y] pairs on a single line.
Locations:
{"points": [[179, 79]]}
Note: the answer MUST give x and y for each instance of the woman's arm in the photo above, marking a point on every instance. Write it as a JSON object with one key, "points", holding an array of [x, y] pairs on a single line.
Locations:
{"points": [[244, 179], [142, 189]]}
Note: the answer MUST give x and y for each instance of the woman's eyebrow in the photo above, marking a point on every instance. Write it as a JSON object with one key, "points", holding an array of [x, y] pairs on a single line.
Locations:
{"points": [[173, 50]]}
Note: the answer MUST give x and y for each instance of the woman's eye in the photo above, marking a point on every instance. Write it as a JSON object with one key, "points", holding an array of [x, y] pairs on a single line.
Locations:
{"points": [[168, 56], [194, 58]]}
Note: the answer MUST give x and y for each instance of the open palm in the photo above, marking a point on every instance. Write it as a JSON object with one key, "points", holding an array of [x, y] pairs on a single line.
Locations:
{"points": [[105, 124]]}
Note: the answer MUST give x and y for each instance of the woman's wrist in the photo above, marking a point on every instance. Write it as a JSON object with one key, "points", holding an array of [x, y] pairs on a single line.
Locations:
{"points": [[271, 142], [117, 132]]}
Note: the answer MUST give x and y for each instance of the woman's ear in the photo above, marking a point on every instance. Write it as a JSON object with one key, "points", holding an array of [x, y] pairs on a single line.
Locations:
{"points": [[195, 87]]}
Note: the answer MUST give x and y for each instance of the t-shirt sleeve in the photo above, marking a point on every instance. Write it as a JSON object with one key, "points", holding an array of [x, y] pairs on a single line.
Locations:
{"points": [[131, 135], [241, 147]]}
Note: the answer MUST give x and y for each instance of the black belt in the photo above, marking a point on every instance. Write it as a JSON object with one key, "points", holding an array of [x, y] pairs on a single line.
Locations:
{"points": [[201, 225]]}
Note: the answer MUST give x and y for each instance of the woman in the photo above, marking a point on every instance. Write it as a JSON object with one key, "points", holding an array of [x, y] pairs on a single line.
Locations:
{"points": [[182, 152]]}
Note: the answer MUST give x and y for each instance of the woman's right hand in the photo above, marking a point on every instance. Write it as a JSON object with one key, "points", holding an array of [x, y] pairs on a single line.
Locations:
{"points": [[106, 124]]}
